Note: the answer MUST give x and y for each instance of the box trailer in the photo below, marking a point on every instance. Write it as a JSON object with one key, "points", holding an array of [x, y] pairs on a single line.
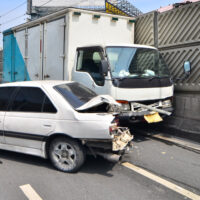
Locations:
{"points": [[96, 49]]}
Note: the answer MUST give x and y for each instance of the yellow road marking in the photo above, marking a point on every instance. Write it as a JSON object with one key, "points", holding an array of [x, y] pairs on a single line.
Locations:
{"points": [[162, 181], [30, 192]]}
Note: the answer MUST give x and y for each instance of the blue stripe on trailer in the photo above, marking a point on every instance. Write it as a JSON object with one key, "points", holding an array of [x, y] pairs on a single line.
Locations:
{"points": [[14, 67]]}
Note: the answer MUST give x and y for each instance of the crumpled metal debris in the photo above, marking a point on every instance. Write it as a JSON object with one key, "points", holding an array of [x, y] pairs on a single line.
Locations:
{"points": [[121, 139]]}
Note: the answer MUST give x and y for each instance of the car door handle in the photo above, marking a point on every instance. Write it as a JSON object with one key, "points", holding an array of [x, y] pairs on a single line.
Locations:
{"points": [[47, 125]]}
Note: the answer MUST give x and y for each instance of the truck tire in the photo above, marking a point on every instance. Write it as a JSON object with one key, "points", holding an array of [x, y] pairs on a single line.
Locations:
{"points": [[66, 154]]}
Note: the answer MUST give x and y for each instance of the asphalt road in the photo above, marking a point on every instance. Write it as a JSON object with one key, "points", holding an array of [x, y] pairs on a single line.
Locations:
{"points": [[99, 179]]}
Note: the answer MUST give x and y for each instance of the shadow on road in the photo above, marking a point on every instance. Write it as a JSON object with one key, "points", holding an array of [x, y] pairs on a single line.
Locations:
{"points": [[91, 166], [98, 166], [23, 158]]}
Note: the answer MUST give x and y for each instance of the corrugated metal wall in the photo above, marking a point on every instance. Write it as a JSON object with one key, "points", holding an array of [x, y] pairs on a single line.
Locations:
{"points": [[179, 26], [176, 33], [144, 29]]}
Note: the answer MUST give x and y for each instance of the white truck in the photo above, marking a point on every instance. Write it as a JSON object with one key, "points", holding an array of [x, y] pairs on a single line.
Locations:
{"points": [[96, 49]]}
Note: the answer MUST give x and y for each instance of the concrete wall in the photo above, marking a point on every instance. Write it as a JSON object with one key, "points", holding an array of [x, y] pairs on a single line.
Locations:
{"points": [[176, 34]]}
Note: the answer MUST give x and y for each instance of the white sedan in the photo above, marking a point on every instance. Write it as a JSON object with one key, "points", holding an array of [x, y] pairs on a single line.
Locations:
{"points": [[59, 120]]}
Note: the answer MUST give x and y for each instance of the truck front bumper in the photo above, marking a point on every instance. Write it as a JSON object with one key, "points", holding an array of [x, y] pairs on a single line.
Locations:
{"points": [[136, 117]]}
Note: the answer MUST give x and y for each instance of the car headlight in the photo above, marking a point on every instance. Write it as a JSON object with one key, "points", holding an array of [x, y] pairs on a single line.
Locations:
{"points": [[167, 103], [125, 105]]}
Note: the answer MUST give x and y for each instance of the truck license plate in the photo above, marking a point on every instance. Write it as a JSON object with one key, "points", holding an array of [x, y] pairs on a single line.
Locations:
{"points": [[153, 118]]}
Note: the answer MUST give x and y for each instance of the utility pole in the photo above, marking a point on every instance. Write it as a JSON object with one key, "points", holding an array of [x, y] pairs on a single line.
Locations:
{"points": [[29, 7]]}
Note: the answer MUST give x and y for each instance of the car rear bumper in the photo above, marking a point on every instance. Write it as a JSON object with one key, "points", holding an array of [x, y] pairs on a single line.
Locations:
{"points": [[112, 149]]}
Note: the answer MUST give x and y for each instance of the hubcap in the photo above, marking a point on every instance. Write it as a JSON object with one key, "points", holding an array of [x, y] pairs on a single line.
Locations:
{"points": [[65, 155]]}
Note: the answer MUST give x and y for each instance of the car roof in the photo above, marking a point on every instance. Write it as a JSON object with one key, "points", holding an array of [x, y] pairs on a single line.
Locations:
{"points": [[35, 83]]}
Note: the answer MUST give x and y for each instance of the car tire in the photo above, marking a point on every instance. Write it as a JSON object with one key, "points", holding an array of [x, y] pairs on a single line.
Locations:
{"points": [[66, 154]]}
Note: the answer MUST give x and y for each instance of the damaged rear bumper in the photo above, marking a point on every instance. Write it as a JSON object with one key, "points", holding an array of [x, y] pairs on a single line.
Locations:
{"points": [[121, 139], [113, 149]]}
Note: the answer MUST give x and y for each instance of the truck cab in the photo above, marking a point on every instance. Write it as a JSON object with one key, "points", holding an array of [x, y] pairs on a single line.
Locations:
{"points": [[134, 75]]}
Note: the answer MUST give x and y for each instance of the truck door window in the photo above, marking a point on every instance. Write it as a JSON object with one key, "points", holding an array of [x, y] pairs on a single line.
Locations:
{"points": [[5, 96], [89, 60]]}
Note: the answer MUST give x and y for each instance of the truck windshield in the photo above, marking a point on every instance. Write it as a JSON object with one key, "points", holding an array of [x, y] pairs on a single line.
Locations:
{"points": [[75, 93], [132, 62]]}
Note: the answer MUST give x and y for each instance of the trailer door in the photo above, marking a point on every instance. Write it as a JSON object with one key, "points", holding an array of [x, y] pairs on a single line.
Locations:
{"points": [[54, 39]]}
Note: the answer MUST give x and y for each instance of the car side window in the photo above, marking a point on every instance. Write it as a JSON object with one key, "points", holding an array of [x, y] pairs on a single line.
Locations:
{"points": [[28, 99], [31, 99], [89, 60], [5, 96], [48, 107]]}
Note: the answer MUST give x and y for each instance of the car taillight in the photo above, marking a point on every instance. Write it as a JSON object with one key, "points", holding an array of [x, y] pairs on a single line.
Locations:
{"points": [[114, 126], [116, 120]]}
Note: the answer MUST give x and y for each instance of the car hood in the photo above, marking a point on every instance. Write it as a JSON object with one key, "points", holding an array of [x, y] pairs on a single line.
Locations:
{"points": [[98, 100]]}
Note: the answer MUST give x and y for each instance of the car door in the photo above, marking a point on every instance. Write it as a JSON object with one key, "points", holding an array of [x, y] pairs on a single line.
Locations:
{"points": [[31, 117], [5, 96], [88, 69]]}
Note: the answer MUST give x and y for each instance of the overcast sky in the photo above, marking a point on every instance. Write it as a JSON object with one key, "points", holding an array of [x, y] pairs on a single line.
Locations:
{"points": [[18, 16]]}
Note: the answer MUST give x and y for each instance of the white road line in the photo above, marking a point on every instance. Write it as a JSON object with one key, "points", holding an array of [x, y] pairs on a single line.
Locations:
{"points": [[162, 181], [30, 193]]}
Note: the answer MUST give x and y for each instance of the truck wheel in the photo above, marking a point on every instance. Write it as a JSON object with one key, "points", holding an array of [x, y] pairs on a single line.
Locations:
{"points": [[66, 154]]}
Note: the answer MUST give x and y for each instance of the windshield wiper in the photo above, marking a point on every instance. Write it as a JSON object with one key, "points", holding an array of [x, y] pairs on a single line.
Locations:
{"points": [[159, 77], [153, 77], [127, 77]]}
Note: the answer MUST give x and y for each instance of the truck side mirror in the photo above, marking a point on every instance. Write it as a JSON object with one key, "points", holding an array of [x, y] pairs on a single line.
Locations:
{"points": [[187, 68], [104, 68]]}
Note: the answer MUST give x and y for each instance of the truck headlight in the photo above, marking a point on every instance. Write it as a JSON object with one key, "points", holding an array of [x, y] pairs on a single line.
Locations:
{"points": [[125, 105], [167, 103]]}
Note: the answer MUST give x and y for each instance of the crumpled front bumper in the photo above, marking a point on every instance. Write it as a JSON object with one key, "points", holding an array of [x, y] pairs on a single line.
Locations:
{"points": [[135, 117]]}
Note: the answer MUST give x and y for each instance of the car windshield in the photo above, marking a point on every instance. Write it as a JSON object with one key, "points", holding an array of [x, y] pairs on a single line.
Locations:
{"points": [[75, 93], [132, 62]]}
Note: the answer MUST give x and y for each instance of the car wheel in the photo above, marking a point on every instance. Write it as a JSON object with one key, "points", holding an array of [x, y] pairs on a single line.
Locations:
{"points": [[66, 154]]}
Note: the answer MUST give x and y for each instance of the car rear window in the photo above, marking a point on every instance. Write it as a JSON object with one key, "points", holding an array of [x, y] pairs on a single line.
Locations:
{"points": [[75, 93]]}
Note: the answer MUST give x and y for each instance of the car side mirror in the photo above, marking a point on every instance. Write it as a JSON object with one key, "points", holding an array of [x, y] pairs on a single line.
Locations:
{"points": [[104, 68], [187, 68]]}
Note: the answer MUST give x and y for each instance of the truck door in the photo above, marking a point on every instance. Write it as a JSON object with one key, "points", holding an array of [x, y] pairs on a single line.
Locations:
{"points": [[88, 69]]}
